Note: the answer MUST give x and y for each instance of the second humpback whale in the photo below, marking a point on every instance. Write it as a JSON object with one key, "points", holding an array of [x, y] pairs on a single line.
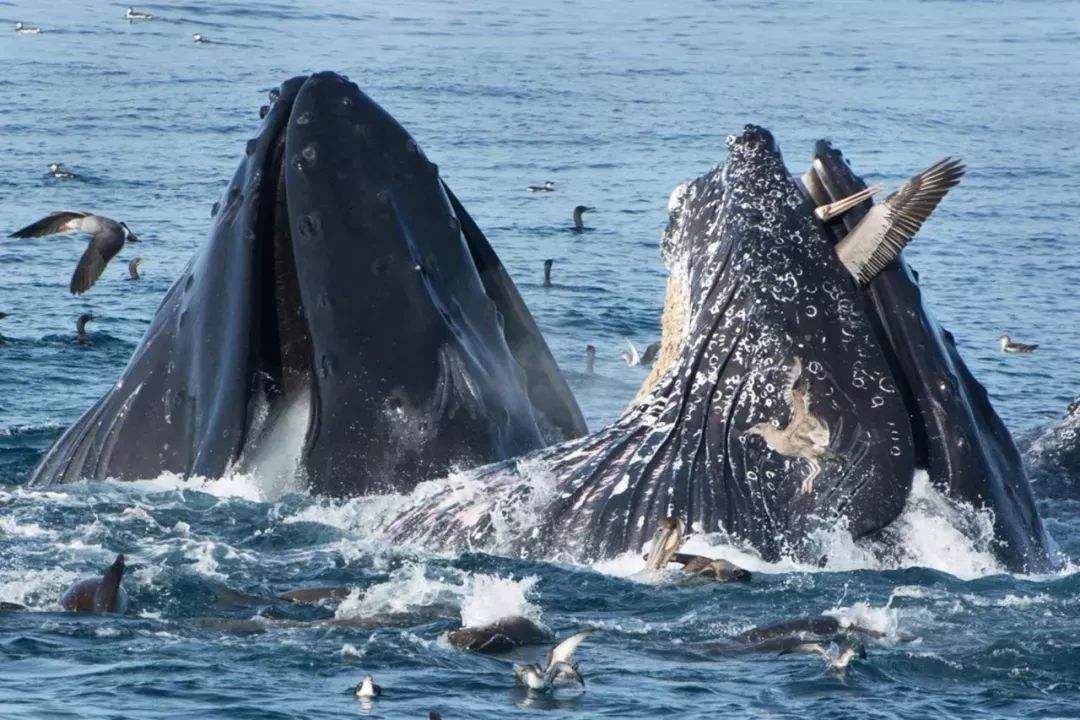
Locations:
{"points": [[787, 398], [345, 313]]}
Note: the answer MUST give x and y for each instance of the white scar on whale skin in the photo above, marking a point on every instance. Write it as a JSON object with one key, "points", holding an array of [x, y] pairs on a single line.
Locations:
{"points": [[805, 435]]}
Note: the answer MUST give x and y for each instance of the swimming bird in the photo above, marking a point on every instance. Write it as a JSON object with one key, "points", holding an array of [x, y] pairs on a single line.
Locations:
{"points": [[805, 435], [548, 186], [560, 664], [107, 238], [590, 359], [133, 268], [80, 328], [579, 225], [26, 29], [547, 272], [60, 172], [664, 550], [631, 354], [887, 228], [133, 14], [836, 659], [1008, 346], [198, 37], [367, 688]]}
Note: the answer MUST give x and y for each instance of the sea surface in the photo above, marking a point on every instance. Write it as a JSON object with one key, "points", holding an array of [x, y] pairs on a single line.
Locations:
{"points": [[617, 102]]}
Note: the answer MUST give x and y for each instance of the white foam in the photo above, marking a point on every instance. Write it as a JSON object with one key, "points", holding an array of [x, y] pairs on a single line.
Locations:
{"points": [[486, 598]]}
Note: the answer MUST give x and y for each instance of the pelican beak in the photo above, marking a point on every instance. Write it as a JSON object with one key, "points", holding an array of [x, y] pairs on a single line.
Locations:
{"points": [[665, 543], [841, 206]]}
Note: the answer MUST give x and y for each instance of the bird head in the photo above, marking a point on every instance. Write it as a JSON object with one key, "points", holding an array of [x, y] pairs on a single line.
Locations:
{"points": [[582, 209], [666, 542], [128, 235]]}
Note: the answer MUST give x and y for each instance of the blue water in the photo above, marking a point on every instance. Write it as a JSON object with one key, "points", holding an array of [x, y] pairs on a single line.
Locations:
{"points": [[618, 103]]}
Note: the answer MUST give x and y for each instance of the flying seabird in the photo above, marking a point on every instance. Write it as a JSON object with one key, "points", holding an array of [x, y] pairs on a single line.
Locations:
{"points": [[579, 225], [60, 172], [560, 664], [805, 435], [590, 359], [887, 228], [547, 272], [80, 329], [133, 14], [107, 237], [548, 186], [26, 29], [1007, 345], [367, 688], [133, 268]]}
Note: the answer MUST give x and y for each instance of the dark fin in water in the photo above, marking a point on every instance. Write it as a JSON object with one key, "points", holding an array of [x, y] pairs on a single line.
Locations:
{"points": [[108, 596]]}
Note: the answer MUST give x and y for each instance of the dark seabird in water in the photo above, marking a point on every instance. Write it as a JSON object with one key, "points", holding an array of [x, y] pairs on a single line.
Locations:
{"points": [[60, 172], [548, 186], [579, 224], [80, 328], [590, 359], [107, 238], [133, 268], [887, 228], [1008, 346], [133, 14], [560, 664], [547, 272]]}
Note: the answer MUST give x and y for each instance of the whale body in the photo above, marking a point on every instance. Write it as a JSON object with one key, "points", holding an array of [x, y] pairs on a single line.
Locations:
{"points": [[786, 400], [344, 302]]}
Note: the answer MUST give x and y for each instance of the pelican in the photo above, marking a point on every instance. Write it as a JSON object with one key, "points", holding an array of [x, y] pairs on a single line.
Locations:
{"points": [[664, 550], [107, 238], [579, 225], [804, 435], [560, 664], [887, 228], [548, 186], [1008, 346]]}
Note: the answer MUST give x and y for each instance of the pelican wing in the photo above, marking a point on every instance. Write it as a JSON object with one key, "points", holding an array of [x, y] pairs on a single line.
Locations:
{"points": [[48, 225], [564, 651], [878, 239]]}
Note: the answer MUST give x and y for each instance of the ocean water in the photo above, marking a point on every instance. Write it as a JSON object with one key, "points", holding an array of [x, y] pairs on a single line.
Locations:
{"points": [[617, 103]]}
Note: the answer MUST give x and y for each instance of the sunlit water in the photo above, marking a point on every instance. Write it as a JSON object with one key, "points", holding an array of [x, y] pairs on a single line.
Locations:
{"points": [[618, 103]]}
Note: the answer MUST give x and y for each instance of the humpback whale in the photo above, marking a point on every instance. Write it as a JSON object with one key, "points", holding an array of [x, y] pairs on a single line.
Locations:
{"points": [[764, 327], [345, 298]]}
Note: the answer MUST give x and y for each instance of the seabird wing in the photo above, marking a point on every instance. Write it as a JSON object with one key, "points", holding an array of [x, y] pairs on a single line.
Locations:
{"points": [[564, 651], [633, 356], [48, 225], [103, 247], [560, 670], [902, 214]]}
